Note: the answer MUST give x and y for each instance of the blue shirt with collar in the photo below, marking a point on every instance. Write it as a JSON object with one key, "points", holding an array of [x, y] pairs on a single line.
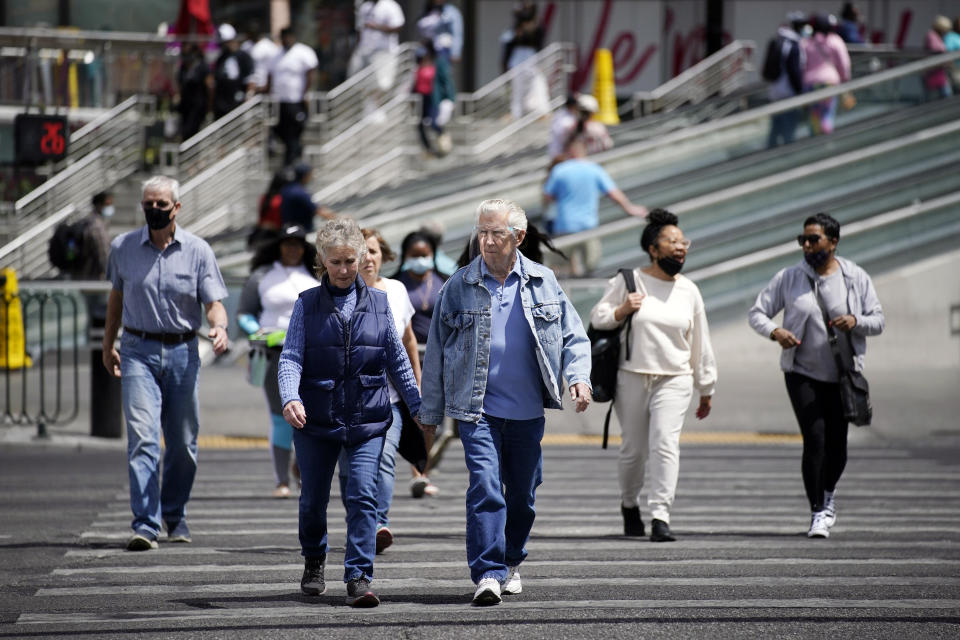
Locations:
{"points": [[163, 290], [514, 386]]}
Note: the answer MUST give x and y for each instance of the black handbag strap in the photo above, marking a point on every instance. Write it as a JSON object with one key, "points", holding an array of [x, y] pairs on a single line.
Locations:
{"points": [[631, 288], [831, 334]]}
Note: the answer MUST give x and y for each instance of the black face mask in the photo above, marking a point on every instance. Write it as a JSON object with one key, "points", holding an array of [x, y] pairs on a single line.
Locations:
{"points": [[157, 218], [670, 265], [817, 259]]}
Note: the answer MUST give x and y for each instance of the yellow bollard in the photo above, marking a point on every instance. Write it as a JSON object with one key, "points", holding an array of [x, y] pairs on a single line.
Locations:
{"points": [[13, 354], [604, 87]]}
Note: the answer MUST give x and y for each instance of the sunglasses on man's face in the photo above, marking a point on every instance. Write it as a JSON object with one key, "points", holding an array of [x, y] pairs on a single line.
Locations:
{"points": [[812, 238]]}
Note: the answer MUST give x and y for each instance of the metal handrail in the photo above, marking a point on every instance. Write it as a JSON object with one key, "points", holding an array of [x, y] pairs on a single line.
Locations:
{"points": [[724, 71], [244, 127], [850, 229], [221, 195], [56, 38], [21, 241], [350, 101], [696, 132], [555, 49], [57, 180], [623, 225]]}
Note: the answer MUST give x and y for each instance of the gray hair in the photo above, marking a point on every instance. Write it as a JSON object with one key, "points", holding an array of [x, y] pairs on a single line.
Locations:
{"points": [[162, 183], [516, 216], [341, 232]]}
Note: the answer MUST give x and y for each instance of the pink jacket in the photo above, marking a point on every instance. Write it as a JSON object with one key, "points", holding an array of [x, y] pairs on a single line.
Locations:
{"points": [[827, 60], [936, 79]]}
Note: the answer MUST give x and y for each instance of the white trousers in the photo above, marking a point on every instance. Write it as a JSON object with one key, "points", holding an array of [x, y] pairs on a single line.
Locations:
{"points": [[651, 410]]}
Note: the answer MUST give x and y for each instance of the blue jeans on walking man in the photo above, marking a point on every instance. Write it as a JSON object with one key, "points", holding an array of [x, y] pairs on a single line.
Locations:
{"points": [[317, 458], [499, 518], [160, 397]]}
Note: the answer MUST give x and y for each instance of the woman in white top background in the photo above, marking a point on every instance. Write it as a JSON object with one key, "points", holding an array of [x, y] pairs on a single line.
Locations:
{"points": [[670, 357], [402, 309], [280, 271]]}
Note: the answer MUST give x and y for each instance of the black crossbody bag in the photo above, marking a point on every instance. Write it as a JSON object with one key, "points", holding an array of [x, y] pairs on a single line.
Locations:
{"points": [[605, 358], [854, 390]]}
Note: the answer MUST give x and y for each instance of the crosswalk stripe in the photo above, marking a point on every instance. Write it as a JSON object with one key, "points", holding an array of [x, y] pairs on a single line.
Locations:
{"points": [[386, 585], [517, 607], [460, 564]]}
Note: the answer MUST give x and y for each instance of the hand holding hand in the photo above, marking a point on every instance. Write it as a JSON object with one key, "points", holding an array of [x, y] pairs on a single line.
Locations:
{"points": [[704, 409], [428, 429], [218, 335], [844, 323], [786, 339], [295, 414], [580, 394]]}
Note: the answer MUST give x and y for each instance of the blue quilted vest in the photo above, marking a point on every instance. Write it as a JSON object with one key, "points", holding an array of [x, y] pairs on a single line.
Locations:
{"points": [[344, 381]]}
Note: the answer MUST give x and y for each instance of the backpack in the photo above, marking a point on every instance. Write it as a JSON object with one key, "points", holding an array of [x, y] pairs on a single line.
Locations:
{"points": [[605, 358], [773, 60], [66, 246]]}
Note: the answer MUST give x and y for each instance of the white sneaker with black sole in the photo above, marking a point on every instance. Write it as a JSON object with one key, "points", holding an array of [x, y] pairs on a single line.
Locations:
{"points": [[830, 507], [511, 586], [818, 525], [487, 593]]}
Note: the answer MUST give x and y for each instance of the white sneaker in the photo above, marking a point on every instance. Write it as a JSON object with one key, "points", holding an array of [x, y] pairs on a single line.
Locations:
{"points": [[830, 507], [818, 525], [511, 586], [487, 593]]}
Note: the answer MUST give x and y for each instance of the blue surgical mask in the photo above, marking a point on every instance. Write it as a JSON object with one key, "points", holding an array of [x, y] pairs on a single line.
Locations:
{"points": [[418, 265], [107, 211]]}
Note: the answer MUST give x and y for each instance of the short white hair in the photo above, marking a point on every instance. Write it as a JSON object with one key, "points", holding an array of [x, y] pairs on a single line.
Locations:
{"points": [[162, 183], [516, 216], [341, 232]]}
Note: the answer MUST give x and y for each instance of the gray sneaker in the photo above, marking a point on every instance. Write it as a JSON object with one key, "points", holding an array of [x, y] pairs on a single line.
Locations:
{"points": [[360, 595]]}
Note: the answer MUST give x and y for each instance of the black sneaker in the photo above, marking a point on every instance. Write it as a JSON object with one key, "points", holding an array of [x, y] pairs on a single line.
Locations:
{"points": [[359, 593], [632, 524], [142, 541], [660, 532], [312, 583]]}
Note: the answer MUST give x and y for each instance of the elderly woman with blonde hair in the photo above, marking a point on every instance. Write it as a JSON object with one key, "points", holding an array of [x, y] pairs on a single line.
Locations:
{"points": [[341, 345]]}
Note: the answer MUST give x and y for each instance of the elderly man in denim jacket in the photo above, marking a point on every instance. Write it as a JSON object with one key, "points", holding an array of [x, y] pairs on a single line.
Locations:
{"points": [[502, 338]]}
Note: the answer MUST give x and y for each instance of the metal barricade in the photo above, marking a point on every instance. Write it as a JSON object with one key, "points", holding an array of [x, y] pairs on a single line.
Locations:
{"points": [[42, 386]]}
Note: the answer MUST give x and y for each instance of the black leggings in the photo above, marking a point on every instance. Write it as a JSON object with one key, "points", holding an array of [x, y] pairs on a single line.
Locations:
{"points": [[820, 416]]}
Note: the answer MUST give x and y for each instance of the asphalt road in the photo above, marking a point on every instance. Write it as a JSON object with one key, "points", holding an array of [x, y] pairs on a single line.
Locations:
{"points": [[741, 568]]}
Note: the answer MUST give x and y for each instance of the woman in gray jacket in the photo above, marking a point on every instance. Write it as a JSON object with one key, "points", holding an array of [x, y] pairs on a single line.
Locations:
{"points": [[808, 364]]}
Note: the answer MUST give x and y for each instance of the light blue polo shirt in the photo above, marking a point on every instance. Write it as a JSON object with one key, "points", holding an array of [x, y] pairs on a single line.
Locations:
{"points": [[514, 384], [577, 186], [163, 290]]}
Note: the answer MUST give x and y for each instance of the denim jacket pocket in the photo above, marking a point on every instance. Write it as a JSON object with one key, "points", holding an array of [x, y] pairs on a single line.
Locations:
{"points": [[462, 324], [546, 318]]}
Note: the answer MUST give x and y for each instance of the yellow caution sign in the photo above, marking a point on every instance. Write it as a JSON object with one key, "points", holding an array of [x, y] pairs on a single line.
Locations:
{"points": [[13, 354], [604, 87]]}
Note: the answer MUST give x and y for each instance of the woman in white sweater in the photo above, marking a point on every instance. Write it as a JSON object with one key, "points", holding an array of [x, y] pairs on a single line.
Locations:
{"points": [[669, 357]]}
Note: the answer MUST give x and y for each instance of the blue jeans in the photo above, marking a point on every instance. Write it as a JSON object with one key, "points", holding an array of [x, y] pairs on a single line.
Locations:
{"points": [[499, 518], [160, 397], [388, 464], [783, 126], [317, 459]]}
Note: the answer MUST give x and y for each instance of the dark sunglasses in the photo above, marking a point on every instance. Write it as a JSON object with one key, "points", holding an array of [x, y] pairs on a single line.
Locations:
{"points": [[812, 238]]}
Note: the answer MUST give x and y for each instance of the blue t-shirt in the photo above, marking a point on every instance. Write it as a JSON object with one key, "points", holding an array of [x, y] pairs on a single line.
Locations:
{"points": [[296, 206], [514, 384], [577, 185]]}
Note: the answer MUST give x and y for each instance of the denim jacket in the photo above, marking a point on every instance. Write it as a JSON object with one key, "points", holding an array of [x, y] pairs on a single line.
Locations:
{"points": [[458, 349], [791, 291]]}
